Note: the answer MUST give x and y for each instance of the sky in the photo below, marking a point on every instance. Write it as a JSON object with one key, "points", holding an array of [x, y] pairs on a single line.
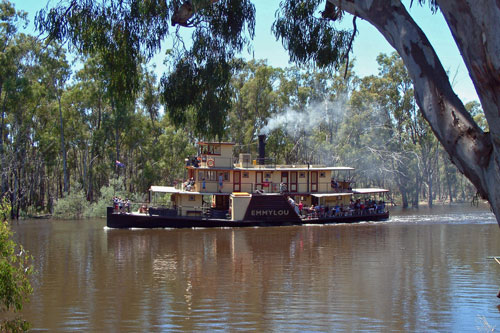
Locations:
{"points": [[368, 44]]}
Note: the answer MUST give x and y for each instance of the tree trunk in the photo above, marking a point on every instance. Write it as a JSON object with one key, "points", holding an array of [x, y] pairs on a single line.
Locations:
{"points": [[474, 26], [63, 149], [4, 185], [404, 199], [429, 184], [418, 188]]}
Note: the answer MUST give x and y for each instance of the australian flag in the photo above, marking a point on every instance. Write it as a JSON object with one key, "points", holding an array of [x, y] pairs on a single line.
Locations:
{"points": [[119, 164]]}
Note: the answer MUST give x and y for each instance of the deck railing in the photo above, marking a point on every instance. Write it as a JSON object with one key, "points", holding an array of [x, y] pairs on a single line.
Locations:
{"points": [[265, 187]]}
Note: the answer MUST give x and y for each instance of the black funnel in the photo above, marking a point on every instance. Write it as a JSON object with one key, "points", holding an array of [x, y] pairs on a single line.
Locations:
{"points": [[262, 149]]}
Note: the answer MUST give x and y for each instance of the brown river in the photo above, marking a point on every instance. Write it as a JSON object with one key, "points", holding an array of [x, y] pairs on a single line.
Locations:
{"points": [[423, 270]]}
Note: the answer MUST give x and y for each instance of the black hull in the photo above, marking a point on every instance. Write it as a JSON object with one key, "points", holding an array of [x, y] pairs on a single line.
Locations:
{"points": [[118, 220]]}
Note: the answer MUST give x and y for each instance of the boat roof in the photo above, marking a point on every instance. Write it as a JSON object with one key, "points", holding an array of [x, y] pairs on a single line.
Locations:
{"points": [[293, 168], [369, 190], [171, 189], [216, 143], [323, 195]]}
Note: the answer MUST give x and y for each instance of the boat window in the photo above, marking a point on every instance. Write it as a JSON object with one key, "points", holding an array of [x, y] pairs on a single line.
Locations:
{"points": [[211, 149], [211, 175], [216, 149]]}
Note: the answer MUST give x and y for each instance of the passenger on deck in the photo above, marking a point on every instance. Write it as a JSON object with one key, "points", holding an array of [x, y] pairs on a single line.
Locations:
{"points": [[381, 207], [127, 205], [335, 185], [317, 209], [143, 209], [337, 210], [312, 211], [189, 184]]}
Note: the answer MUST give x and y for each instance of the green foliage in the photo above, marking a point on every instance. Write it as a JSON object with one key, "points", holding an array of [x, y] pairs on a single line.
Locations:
{"points": [[72, 206], [15, 270], [310, 39], [477, 114], [203, 88], [115, 188], [123, 34]]}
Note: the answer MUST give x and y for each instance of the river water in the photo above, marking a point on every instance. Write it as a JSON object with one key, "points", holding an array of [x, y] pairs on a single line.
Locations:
{"points": [[423, 270]]}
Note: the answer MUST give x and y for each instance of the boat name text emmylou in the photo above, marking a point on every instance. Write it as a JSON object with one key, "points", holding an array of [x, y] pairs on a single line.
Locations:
{"points": [[269, 212]]}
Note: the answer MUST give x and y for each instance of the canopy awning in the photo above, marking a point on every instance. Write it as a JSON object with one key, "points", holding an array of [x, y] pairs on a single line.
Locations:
{"points": [[164, 189], [171, 189], [369, 190], [323, 195]]}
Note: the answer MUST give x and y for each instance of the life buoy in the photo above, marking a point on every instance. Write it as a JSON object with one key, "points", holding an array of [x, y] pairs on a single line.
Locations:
{"points": [[211, 163]]}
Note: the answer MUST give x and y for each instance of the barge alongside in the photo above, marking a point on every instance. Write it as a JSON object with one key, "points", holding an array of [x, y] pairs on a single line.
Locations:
{"points": [[220, 192]]}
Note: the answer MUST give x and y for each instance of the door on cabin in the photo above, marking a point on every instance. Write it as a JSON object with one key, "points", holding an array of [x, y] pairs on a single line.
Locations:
{"points": [[314, 181], [293, 181], [259, 179], [237, 181], [284, 180]]}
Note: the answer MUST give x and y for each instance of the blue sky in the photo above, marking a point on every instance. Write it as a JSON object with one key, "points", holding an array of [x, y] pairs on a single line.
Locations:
{"points": [[367, 45]]}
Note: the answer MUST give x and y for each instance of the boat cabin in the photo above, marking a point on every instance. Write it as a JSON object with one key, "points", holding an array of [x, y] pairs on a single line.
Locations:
{"points": [[220, 185]]}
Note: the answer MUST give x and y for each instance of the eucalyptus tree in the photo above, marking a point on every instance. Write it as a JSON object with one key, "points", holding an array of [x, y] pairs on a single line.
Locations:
{"points": [[89, 97], [395, 95], [10, 54], [19, 107], [254, 100], [150, 99], [56, 72]]}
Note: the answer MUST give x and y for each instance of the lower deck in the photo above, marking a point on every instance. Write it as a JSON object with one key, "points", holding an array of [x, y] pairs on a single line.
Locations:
{"points": [[140, 220]]}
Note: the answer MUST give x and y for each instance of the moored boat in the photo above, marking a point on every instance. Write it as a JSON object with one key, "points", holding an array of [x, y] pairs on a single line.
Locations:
{"points": [[219, 192]]}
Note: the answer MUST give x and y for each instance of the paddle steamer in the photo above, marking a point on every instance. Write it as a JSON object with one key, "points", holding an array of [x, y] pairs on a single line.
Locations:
{"points": [[220, 191]]}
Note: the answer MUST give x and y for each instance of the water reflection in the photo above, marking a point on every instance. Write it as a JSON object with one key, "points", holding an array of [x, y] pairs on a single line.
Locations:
{"points": [[373, 276]]}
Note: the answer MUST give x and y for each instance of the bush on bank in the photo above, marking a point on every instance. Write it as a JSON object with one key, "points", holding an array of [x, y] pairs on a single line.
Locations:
{"points": [[76, 206], [15, 269]]}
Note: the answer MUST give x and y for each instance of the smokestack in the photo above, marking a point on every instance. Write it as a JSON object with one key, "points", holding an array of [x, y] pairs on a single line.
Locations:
{"points": [[262, 149]]}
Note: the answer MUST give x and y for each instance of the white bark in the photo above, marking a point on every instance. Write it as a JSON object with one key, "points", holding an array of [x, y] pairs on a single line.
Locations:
{"points": [[474, 25]]}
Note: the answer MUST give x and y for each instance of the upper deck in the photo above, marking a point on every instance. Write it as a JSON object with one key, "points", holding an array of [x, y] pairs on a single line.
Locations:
{"points": [[216, 170]]}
